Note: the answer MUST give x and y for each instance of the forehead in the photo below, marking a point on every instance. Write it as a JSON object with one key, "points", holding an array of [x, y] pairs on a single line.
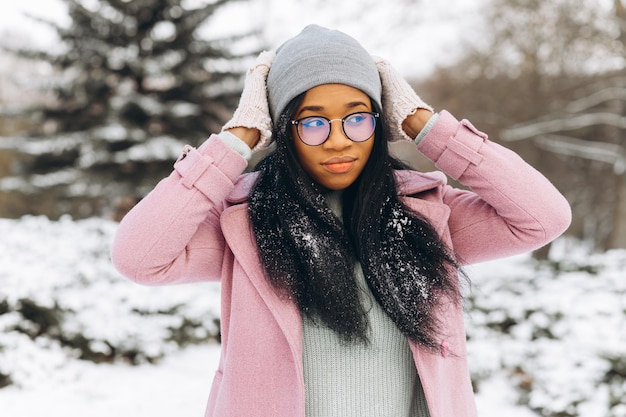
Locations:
{"points": [[334, 96]]}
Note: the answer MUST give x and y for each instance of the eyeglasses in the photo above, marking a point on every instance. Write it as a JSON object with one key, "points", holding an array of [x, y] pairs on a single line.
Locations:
{"points": [[315, 130]]}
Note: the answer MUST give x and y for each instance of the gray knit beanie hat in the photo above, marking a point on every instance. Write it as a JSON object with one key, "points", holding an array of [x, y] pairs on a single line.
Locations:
{"points": [[319, 56]]}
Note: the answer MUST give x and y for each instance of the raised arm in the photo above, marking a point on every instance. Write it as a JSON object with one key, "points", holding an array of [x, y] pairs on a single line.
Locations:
{"points": [[511, 208], [173, 235]]}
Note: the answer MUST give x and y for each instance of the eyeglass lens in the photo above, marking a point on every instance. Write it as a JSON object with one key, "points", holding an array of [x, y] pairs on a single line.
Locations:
{"points": [[358, 127]]}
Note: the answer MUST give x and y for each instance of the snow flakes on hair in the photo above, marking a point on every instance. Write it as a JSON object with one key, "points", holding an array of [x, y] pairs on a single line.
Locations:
{"points": [[305, 250], [407, 268]]}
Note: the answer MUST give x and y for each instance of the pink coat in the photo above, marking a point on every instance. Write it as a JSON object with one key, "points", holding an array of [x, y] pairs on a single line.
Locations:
{"points": [[194, 227]]}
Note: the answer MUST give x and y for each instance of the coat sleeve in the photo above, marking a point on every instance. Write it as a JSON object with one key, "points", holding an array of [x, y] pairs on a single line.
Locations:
{"points": [[173, 235], [511, 208]]}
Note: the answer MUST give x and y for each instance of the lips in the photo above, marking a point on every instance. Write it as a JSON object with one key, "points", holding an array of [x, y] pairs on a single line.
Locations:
{"points": [[339, 164]]}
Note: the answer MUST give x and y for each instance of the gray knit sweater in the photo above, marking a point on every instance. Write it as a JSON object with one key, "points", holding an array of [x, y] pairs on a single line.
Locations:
{"points": [[377, 379]]}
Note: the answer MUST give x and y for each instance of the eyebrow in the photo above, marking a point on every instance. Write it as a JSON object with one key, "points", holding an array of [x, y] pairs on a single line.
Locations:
{"points": [[349, 105]]}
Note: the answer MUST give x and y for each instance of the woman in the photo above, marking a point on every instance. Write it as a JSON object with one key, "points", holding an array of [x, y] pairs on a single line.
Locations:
{"points": [[338, 267]]}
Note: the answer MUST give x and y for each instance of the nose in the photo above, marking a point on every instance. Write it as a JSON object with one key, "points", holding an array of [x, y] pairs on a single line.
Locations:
{"points": [[337, 140]]}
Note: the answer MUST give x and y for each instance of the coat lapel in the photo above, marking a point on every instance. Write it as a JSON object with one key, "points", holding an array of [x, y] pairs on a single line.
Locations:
{"points": [[424, 187], [238, 233]]}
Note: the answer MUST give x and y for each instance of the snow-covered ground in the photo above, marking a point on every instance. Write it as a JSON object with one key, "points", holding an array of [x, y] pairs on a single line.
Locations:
{"points": [[545, 339]]}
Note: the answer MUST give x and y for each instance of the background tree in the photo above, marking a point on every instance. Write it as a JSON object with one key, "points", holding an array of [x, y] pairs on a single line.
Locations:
{"points": [[537, 64], [132, 81]]}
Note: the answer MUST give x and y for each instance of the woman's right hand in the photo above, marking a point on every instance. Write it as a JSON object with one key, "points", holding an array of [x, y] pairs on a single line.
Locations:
{"points": [[251, 121]]}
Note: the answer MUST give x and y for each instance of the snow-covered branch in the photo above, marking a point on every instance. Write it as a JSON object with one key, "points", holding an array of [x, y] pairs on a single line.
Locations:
{"points": [[534, 129], [613, 93], [598, 151]]}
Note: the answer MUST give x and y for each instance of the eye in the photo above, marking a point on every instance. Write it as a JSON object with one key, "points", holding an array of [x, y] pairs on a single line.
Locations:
{"points": [[357, 118], [312, 123]]}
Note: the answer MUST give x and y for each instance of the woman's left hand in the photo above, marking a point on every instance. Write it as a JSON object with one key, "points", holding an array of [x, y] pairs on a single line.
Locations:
{"points": [[405, 112]]}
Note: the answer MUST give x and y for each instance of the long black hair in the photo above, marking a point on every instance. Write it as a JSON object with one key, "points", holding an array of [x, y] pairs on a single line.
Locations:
{"points": [[309, 254]]}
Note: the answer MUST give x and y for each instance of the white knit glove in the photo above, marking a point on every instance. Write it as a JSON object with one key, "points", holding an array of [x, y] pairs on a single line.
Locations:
{"points": [[253, 110], [399, 99]]}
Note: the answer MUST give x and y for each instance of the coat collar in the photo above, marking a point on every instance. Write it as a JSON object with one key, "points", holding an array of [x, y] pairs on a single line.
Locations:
{"points": [[409, 183]]}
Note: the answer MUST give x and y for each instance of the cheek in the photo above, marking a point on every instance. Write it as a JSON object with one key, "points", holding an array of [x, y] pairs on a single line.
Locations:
{"points": [[304, 154], [298, 146], [367, 150]]}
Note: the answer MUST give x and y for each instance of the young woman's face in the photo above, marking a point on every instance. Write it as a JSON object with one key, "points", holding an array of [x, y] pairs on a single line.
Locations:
{"points": [[338, 162]]}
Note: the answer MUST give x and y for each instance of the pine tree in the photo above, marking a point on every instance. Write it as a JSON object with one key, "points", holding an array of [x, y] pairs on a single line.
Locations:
{"points": [[134, 82]]}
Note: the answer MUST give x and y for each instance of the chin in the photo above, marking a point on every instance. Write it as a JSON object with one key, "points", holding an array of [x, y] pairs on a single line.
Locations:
{"points": [[335, 182], [336, 186]]}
